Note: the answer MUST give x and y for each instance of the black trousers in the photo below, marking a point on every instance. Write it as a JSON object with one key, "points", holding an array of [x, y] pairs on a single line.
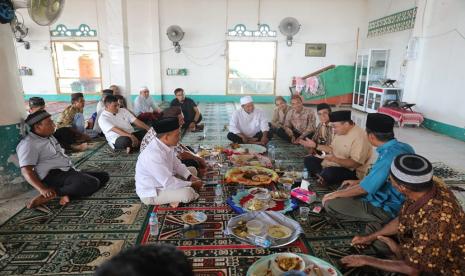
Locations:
{"points": [[187, 121], [75, 184], [237, 139], [283, 135], [124, 142], [66, 136], [331, 175]]}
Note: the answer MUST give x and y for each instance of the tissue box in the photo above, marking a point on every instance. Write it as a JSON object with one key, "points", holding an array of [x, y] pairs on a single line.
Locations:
{"points": [[303, 195]]}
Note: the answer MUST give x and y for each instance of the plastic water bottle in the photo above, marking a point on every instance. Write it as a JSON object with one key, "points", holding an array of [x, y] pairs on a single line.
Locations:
{"points": [[218, 194], [272, 151], [261, 241], [305, 173], [153, 224]]}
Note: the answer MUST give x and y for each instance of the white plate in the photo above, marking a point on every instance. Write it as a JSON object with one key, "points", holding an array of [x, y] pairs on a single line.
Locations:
{"points": [[251, 147], [259, 268], [199, 217]]}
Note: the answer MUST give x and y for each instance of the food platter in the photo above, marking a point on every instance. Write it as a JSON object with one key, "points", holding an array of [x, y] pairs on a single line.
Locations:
{"points": [[246, 201], [246, 148], [193, 218], [251, 175], [250, 160], [275, 227], [313, 266]]}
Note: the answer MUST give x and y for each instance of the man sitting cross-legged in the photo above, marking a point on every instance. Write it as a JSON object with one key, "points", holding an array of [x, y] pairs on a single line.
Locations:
{"points": [[157, 167], [47, 168], [299, 123], [248, 125], [373, 199], [116, 123], [430, 226], [346, 158]]}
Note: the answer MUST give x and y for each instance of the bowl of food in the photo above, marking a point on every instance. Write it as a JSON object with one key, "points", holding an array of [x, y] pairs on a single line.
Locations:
{"points": [[278, 232], [286, 180], [254, 227], [284, 262]]}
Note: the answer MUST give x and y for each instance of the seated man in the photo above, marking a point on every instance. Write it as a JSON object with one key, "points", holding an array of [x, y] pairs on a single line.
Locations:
{"points": [[248, 125], [191, 112], [73, 117], [279, 114], [373, 200], [147, 260], [346, 158], [47, 168], [99, 109], [300, 122], [430, 226], [119, 96], [157, 166], [144, 107], [116, 123], [324, 131], [36, 104]]}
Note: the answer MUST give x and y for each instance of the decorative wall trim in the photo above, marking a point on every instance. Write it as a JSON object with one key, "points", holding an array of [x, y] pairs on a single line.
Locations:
{"points": [[240, 30], [392, 23], [82, 31], [446, 129]]}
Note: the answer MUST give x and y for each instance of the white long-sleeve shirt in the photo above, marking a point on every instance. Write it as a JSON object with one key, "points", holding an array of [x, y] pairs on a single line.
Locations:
{"points": [[248, 124], [156, 168], [142, 105]]}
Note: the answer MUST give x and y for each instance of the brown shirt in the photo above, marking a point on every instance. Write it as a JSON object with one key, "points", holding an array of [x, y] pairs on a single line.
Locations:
{"points": [[67, 116], [279, 117], [304, 121], [432, 232], [353, 145]]}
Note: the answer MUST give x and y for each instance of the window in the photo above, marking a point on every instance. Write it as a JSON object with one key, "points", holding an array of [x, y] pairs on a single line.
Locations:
{"points": [[77, 66], [251, 67]]}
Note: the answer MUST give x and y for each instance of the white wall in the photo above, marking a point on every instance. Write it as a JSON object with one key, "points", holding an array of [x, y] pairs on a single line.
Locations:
{"points": [[205, 23]]}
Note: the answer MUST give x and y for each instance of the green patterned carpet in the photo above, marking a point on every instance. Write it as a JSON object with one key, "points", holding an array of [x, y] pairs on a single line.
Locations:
{"points": [[75, 239]]}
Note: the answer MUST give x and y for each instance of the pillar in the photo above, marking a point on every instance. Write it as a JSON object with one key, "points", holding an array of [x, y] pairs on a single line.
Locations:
{"points": [[12, 112]]}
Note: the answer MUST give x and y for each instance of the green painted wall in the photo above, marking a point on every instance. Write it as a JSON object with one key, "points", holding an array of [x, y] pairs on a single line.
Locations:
{"points": [[11, 181], [337, 81], [449, 130]]}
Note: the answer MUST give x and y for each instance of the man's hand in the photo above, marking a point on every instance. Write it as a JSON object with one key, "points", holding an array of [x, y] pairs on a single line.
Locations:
{"points": [[308, 143], [362, 241], [330, 158], [264, 140], [329, 196], [196, 183], [349, 183], [192, 126], [134, 140], [356, 260], [48, 192]]}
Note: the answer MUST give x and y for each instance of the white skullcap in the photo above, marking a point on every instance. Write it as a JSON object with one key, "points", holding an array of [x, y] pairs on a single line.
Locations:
{"points": [[246, 100], [142, 88]]}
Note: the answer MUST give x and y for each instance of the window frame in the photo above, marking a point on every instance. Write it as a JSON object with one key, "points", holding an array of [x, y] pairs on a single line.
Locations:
{"points": [[274, 66], [56, 69]]}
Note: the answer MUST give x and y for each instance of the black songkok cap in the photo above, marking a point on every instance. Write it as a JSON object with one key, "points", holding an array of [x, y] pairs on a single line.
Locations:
{"points": [[36, 102], [37, 117], [340, 116], [378, 122], [166, 125], [412, 170], [323, 106]]}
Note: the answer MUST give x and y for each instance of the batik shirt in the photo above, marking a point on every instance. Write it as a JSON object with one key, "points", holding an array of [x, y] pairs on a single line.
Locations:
{"points": [[67, 116], [279, 117], [432, 232], [304, 122], [323, 134]]}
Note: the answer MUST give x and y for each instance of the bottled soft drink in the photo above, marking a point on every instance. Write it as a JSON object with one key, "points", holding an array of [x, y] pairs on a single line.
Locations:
{"points": [[218, 194], [153, 224], [305, 173]]}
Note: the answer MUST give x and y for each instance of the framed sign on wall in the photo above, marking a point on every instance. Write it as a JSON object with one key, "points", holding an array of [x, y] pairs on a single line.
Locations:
{"points": [[315, 49]]}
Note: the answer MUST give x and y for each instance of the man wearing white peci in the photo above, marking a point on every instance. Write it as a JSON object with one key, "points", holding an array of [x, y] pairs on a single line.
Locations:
{"points": [[158, 166]]}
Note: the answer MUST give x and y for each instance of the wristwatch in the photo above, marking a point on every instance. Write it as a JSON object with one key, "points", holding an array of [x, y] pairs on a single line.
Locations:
{"points": [[189, 177]]}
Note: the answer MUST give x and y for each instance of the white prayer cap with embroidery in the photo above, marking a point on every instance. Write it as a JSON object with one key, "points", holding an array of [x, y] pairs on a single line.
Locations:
{"points": [[246, 100]]}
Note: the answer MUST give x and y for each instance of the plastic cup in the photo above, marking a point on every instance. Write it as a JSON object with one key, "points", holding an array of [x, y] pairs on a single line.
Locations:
{"points": [[303, 213]]}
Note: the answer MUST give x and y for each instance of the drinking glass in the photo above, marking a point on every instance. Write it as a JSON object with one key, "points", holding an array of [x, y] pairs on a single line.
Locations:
{"points": [[303, 213]]}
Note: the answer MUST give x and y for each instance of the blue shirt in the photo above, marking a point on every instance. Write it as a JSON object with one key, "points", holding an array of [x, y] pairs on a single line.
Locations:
{"points": [[380, 191]]}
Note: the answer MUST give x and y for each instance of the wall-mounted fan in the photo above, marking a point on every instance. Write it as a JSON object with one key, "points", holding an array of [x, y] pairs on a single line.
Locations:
{"points": [[175, 34], [42, 12], [289, 26]]}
